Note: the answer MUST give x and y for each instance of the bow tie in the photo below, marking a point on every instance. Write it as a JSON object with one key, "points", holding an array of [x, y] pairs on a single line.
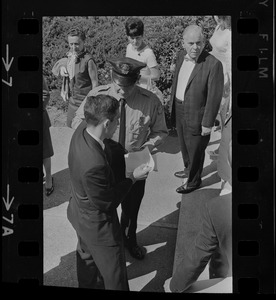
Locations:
{"points": [[186, 58]]}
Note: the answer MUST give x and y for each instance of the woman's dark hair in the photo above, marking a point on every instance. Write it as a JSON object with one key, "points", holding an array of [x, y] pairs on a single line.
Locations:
{"points": [[100, 107], [134, 27]]}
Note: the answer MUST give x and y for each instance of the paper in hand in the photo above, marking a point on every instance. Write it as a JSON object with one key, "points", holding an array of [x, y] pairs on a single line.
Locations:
{"points": [[135, 159]]}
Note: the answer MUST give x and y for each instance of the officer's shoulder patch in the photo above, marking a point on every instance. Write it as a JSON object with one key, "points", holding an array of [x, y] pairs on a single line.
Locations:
{"points": [[99, 89], [144, 92], [102, 88]]}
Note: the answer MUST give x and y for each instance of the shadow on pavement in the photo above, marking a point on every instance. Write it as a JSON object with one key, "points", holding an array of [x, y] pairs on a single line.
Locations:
{"points": [[156, 267], [65, 274], [62, 190], [158, 262], [171, 144], [209, 169]]}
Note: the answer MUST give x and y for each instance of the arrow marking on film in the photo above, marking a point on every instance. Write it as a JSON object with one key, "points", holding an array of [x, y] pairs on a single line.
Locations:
{"points": [[8, 202], [6, 63], [8, 83]]}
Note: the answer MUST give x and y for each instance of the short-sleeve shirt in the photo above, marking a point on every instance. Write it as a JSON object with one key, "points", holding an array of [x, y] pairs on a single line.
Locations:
{"points": [[145, 118], [145, 55]]}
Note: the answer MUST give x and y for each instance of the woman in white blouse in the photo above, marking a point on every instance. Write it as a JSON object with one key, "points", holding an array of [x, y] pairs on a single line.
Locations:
{"points": [[221, 49], [139, 50]]}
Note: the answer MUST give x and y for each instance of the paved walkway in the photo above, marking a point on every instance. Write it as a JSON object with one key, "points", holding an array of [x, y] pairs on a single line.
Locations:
{"points": [[167, 221]]}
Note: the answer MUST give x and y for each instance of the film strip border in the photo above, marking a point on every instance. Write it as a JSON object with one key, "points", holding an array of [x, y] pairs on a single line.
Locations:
{"points": [[22, 208], [253, 120], [252, 131]]}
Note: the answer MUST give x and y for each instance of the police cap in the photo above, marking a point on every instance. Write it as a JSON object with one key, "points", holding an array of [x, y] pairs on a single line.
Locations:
{"points": [[125, 71]]}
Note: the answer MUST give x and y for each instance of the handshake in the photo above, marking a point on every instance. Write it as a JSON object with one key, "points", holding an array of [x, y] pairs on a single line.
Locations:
{"points": [[139, 173]]}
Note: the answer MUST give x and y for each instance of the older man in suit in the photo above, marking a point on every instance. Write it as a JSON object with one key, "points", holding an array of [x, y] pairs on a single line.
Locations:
{"points": [[96, 194], [196, 94]]}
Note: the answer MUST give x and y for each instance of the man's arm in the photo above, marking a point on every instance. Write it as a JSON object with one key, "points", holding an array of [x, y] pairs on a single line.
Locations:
{"points": [[79, 115], [100, 192], [158, 128], [214, 94], [93, 73]]}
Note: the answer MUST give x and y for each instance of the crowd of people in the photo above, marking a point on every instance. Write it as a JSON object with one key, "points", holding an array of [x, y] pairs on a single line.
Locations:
{"points": [[127, 115]]}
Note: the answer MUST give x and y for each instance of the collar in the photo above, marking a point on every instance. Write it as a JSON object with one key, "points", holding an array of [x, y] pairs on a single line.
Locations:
{"points": [[118, 97], [96, 138], [114, 93], [188, 58], [69, 54]]}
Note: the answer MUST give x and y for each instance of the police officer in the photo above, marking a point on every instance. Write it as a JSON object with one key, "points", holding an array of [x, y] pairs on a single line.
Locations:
{"points": [[145, 126]]}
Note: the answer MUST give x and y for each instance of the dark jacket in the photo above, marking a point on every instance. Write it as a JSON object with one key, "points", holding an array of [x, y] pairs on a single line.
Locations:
{"points": [[203, 93], [81, 84], [95, 193]]}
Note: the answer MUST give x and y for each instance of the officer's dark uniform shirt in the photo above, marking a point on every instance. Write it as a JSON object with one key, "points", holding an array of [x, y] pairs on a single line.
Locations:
{"points": [[145, 117]]}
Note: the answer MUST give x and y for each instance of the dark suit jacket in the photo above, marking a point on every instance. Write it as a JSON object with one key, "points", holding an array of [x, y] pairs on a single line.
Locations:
{"points": [[214, 237], [203, 93], [95, 193]]}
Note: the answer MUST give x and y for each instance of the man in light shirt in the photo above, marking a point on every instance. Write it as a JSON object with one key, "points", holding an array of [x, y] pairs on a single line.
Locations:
{"points": [[145, 126], [196, 94]]}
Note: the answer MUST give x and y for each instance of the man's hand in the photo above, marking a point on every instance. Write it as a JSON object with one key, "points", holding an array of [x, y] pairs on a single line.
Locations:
{"points": [[140, 173], [206, 130], [63, 71]]}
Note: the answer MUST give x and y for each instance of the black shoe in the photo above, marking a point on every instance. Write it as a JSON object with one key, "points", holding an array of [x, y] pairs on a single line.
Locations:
{"points": [[136, 251], [50, 190], [182, 174], [184, 189]]}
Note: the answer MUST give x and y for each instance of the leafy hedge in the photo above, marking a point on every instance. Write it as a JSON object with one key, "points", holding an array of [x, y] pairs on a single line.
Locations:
{"points": [[105, 37]]}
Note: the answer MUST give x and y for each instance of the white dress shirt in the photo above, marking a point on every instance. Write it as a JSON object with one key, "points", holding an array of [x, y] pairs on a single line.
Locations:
{"points": [[96, 138], [183, 77]]}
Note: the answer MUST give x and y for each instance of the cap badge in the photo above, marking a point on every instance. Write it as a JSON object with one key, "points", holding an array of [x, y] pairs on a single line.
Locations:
{"points": [[125, 68]]}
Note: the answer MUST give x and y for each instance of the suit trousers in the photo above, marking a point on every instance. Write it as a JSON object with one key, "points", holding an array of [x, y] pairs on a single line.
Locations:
{"points": [[130, 208], [96, 261], [192, 146]]}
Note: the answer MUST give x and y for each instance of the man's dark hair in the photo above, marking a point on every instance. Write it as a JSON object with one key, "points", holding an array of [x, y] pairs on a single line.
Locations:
{"points": [[100, 107], [77, 32], [134, 27]]}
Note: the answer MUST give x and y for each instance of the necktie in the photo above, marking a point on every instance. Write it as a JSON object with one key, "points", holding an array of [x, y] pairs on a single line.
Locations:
{"points": [[122, 132]]}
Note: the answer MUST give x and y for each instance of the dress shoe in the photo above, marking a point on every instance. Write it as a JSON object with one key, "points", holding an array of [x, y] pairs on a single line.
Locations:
{"points": [[49, 191], [182, 174], [136, 251], [184, 189]]}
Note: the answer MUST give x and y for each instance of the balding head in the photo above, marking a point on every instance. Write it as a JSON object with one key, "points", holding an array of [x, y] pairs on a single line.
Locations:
{"points": [[193, 40], [193, 30]]}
